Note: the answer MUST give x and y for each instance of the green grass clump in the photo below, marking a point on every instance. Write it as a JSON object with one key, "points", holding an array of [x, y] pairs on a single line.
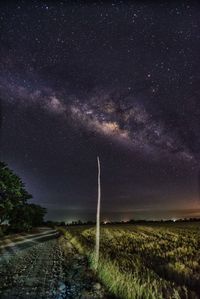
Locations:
{"points": [[144, 261]]}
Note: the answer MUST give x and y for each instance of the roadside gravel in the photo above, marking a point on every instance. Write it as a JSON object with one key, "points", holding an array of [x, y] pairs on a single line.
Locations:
{"points": [[46, 270]]}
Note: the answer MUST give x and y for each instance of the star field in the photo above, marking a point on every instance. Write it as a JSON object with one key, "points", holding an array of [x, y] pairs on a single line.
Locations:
{"points": [[116, 79]]}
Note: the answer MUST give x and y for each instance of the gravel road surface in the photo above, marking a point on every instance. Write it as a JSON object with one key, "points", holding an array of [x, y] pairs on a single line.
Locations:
{"points": [[37, 266]]}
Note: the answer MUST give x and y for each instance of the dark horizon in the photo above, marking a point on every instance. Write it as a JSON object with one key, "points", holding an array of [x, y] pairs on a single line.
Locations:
{"points": [[154, 215]]}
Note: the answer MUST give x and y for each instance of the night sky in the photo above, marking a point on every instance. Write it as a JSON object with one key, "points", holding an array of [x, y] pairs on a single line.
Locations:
{"points": [[120, 80]]}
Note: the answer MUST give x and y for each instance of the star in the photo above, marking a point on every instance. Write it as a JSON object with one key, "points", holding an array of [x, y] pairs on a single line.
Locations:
{"points": [[119, 80]]}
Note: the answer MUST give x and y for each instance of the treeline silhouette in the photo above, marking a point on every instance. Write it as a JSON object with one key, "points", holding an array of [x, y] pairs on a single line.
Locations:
{"points": [[16, 214], [131, 221]]}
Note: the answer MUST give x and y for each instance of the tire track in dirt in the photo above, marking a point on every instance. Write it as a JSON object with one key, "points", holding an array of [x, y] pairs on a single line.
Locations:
{"points": [[30, 273], [45, 270]]}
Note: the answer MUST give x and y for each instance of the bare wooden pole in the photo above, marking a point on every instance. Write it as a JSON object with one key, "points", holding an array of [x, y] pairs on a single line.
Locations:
{"points": [[98, 215]]}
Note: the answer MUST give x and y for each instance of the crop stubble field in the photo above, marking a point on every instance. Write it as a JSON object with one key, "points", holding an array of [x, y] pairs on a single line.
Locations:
{"points": [[145, 261]]}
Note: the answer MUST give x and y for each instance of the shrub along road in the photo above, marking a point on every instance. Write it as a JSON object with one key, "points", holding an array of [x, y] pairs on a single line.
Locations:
{"points": [[45, 266]]}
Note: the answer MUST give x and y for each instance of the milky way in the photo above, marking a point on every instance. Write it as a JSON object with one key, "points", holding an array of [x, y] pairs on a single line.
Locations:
{"points": [[121, 117], [120, 80]]}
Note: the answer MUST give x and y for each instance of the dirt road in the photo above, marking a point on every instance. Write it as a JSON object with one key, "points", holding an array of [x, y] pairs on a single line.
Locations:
{"points": [[37, 267]]}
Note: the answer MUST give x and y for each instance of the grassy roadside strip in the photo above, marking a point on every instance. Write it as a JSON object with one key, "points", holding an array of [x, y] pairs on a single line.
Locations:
{"points": [[120, 284]]}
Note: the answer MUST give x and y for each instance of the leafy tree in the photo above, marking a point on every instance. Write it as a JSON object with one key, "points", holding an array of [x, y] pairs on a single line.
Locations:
{"points": [[20, 219], [12, 192], [13, 202], [26, 216], [37, 214]]}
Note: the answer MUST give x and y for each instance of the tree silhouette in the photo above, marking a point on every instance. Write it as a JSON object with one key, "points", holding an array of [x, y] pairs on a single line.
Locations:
{"points": [[13, 202]]}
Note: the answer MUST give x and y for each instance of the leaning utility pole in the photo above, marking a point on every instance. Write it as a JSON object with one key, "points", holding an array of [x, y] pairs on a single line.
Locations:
{"points": [[98, 215]]}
